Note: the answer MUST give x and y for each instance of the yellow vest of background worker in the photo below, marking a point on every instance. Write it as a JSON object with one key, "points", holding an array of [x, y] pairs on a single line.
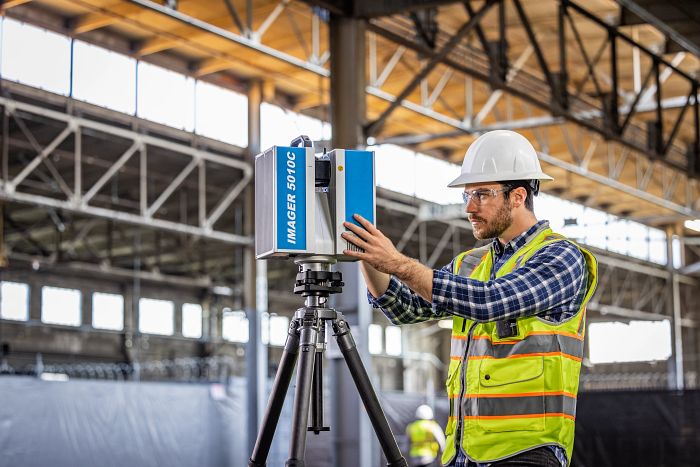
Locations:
{"points": [[421, 435], [510, 395]]}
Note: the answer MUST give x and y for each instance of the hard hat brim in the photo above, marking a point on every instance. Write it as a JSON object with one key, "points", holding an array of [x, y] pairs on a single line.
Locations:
{"points": [[466, 179]]}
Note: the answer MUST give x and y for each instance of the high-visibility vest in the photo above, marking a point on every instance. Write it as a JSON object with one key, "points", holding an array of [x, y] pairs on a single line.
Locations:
{"points": [[509, 395], [423, 442]]}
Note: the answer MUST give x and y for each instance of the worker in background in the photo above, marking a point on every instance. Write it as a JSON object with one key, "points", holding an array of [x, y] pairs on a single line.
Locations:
{"points": [[426, 438], [517, 306]]}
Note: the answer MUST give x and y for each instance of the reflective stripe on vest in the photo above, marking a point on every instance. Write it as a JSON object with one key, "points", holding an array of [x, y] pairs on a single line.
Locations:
{"points": [[508, 395]]}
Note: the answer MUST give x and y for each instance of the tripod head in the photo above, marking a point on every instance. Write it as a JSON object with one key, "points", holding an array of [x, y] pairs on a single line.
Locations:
{"points": [[316, 281]]}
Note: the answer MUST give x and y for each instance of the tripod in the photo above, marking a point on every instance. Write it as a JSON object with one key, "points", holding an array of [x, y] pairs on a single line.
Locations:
{"points": [[307, 333]]}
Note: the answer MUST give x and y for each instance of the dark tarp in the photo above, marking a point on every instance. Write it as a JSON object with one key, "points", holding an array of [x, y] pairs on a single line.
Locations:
{"points": [[650, 428]]}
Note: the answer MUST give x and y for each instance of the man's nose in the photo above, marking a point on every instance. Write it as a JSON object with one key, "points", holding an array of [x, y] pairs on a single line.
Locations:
{"points": [[471, 206]]}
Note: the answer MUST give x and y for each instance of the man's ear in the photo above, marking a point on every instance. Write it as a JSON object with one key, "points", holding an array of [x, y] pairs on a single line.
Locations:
{"points": [[519, 196]]}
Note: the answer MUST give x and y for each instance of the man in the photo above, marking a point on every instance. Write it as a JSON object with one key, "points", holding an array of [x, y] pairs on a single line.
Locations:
{"points": [[426, 438], [517, 307]]}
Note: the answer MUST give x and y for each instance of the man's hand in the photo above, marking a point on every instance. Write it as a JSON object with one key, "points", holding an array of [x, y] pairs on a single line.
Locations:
{"points": [[379, 252], [382, 255]]}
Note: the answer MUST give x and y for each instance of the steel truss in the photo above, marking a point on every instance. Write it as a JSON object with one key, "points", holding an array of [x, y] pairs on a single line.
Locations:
{"points": [[609, 111], [83, 180], [665, 169]]}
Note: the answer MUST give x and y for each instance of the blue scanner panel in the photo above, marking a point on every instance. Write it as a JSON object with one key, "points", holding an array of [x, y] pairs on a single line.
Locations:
{"points": [[359, 185], [291, 198]]}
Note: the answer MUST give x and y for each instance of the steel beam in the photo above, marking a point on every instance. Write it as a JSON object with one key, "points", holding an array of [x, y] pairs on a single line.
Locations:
{"points": [[12, 190], [434, 59]]}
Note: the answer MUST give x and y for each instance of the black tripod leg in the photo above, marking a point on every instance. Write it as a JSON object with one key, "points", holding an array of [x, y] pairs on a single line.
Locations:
{"points": [[274, 405], [302, 398], [369, 398]]}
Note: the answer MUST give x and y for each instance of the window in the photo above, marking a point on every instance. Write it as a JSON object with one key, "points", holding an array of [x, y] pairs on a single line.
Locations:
{"points": [[107, 311], [638, 341], [221, 114], [278, 327], [396, 168], [192, 320], [375, 339], [104, 78], [156, 316], [393, 340], [278, 127], [15, 301], [432, 176], [657, 246], [234, 326], [42, 60], [165, 96], [61, 306]]}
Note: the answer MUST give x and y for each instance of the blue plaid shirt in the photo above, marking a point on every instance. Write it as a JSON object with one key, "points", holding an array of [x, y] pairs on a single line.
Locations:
{"points": [[551, 285]]}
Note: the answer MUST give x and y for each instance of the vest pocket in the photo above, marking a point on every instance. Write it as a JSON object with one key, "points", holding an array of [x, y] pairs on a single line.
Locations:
{"points": [[511, 394], [452, 385]]}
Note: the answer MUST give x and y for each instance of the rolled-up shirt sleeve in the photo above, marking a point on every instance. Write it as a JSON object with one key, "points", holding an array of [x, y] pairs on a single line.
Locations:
{"points": [[403, 306], [552, 280], [550, 283]]}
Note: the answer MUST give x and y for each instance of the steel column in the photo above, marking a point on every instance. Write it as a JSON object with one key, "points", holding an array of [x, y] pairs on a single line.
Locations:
{"points": [[676, 370], [353, 442], [347, 45], [254, 283]]}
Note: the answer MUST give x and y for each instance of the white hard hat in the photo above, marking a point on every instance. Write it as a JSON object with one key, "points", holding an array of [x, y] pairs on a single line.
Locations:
{"points": [[500, 155], [424, 412]]}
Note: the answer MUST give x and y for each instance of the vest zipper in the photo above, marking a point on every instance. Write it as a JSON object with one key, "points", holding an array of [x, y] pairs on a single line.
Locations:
{"points": [[463, 386]]}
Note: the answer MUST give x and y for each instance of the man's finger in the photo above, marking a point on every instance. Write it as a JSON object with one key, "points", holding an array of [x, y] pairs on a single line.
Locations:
{"points": [[357, 230], [366, 224], [355, 240], [354, 254]]}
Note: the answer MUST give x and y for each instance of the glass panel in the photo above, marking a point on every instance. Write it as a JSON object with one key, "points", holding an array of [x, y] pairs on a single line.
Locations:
{"points": [[221, 114], [15, 301], [165, 96], [638, 341], [28, 52], [192, 320], [104, 77], [434, 175], [657, 246], [393, 340], [279, 326], [375, 339], [156, 316], [396, 169], [234, 326], [107, 311], [60, 306], [279, 127]]}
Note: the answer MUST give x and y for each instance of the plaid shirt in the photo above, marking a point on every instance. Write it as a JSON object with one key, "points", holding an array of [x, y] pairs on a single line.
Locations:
{"points": [[551, 284]]}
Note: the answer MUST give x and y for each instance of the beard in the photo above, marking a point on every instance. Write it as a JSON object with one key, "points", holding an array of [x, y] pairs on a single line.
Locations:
{"points": [[496, 226]]}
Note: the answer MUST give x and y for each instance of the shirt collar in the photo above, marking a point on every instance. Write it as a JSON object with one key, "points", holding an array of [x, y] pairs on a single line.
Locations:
{"points": [[520, 240]]}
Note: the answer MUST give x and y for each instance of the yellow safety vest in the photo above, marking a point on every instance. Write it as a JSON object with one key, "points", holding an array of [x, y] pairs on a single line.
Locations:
{"points": [[510, 395], [423, 443]]}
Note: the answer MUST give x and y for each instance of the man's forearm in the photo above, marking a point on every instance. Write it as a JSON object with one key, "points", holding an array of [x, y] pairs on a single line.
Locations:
{"points": [[416, 276], [377, 281]]}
